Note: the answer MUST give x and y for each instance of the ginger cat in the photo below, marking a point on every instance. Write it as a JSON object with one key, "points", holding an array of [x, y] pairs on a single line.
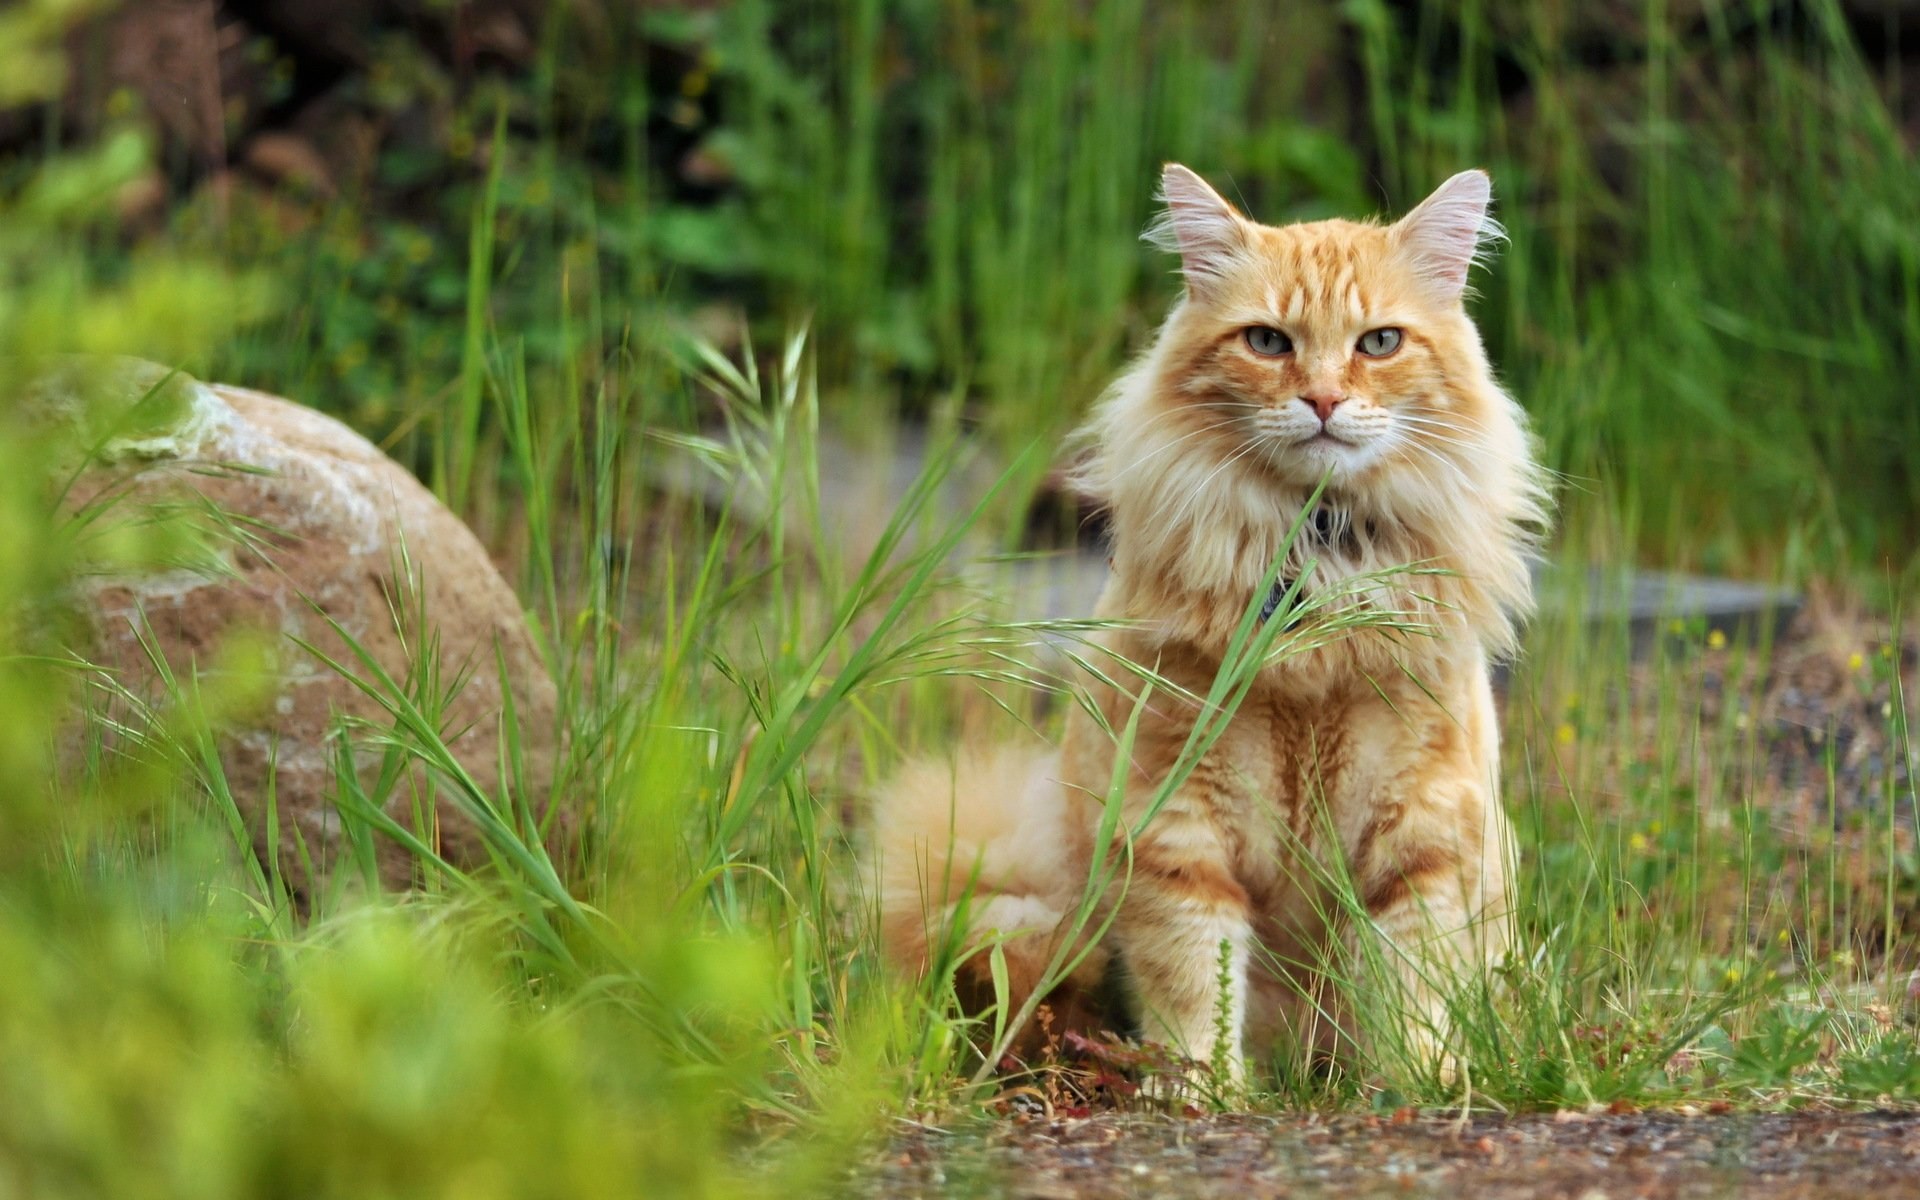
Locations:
{"points": [[1333, 351]]}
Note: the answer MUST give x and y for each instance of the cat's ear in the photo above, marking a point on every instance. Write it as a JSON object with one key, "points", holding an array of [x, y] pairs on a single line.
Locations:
{"points": [[1449, 232], [1203, 229]]}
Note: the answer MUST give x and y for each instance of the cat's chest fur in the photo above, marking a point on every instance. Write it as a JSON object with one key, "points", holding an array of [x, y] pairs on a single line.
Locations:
{"points": [[1302, 777], [1284, 755]]}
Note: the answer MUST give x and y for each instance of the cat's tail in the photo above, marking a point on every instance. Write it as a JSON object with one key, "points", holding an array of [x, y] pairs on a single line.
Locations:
{"points": [[979, 850]]}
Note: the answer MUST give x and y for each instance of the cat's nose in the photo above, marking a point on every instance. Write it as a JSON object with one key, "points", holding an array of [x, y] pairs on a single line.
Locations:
{"points": [[1322, 403]]}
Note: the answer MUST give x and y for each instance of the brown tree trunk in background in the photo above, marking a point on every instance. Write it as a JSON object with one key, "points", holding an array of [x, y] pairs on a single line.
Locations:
{"points": [[168, 53]]}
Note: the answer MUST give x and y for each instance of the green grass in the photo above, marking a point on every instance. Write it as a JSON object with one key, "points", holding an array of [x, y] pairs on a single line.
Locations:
{"points": [[1709, 302], [1716, 351]]}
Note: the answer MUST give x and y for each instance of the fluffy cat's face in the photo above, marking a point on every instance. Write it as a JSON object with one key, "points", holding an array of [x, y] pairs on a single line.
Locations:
{"points": [[1336, 350], [1326, 349]]}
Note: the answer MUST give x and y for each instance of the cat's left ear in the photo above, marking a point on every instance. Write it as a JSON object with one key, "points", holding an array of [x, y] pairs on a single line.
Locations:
{"points": [[1450, 231]]}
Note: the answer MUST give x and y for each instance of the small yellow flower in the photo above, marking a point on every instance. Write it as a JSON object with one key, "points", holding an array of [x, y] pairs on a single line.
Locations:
{"points": [[1784, 935], [1733, 976], [1716, 640], [1843, 958], [1637, 842], [1655, 828], [1564, 734], [1856, 660]]}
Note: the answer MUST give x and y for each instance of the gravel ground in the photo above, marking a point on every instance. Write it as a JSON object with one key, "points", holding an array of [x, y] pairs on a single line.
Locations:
{"points": [[1573, 1155]]}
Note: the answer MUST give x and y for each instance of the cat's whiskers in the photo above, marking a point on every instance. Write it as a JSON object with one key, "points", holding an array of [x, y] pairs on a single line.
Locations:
{"points": [[1441, 431], [1475, 455], [1400, 441], [1469, 446], [1157, 451], [1182, 409], [1438, 426], [1431, 445], [1201, 489], [1445, 434], [1464, 445]]}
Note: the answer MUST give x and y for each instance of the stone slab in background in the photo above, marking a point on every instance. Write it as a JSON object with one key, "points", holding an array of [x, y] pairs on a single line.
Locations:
{"points": [[328, 516], [861, 485], [1648, 602], [1644, 602]]}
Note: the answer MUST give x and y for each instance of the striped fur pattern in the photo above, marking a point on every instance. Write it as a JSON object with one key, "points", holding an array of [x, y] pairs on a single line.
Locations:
{"points": [[1364, 763]]}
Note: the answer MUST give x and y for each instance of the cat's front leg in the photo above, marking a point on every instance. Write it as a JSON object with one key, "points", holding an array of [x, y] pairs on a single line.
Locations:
{"points": [[1434, 888], [1184, 930]]}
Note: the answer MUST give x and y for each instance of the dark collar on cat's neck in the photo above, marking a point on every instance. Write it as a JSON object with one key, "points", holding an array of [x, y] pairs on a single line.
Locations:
{"points": [[1331, 526], [1336, 526], [1276, 595]]}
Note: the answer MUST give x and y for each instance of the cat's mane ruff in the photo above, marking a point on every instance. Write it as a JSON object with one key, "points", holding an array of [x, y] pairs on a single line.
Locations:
{"points": [[1194, 533]]}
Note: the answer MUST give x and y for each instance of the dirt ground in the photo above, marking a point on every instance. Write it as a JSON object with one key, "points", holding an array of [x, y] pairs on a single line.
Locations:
{"points": [[1652, 1155]]}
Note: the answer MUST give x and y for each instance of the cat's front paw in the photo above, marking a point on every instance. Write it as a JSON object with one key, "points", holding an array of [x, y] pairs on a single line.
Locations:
{"points": [[1431, 1058], [1180, 1081], [1176, 1087]]}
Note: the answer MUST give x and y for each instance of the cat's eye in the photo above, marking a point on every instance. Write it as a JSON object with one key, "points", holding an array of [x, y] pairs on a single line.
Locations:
{"points": [[1268, 342], [1378, 343]]}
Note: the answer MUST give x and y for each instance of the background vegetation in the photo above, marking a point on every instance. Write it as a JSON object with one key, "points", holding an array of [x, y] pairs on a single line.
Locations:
{"points": [[495, 237]]}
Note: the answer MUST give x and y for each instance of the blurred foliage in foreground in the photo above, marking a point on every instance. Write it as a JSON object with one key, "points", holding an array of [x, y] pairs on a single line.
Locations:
{"points": [[167, 1026]]}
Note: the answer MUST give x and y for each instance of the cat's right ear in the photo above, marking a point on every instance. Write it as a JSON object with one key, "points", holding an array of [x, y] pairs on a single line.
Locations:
{"points": [[1206, 232]]}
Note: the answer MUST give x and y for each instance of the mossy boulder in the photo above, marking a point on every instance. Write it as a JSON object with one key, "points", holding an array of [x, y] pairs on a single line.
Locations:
{"points": [[303, 537]]}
